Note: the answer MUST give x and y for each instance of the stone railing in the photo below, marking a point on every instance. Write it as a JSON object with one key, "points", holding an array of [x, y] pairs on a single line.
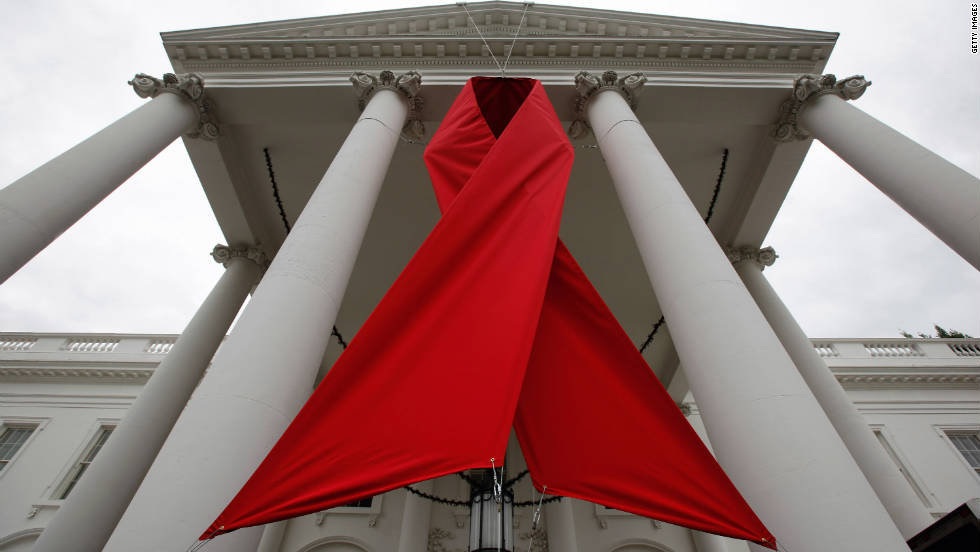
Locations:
{"points": [[157, 344], [86, 343], [878, 348]]}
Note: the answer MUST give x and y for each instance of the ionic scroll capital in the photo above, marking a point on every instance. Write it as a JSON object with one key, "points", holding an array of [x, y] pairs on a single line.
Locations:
{"points": [[408, 84], [190, 87], [762, 257], [806, 88], [588, 85], [222, 254]]}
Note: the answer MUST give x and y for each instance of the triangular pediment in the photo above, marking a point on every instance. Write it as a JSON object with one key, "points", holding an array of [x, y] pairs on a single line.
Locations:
{"points": [[496, 19], [453, 40]]}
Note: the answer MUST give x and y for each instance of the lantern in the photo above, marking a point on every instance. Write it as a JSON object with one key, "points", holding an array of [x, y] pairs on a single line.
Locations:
{"points": [[491, 521]]}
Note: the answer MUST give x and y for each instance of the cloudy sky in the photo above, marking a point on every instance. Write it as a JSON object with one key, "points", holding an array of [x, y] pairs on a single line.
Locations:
{"points": [[852, 264]]}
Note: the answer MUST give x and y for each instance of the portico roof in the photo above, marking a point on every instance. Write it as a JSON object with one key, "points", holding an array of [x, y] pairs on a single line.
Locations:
{"points": [[284, 86]]}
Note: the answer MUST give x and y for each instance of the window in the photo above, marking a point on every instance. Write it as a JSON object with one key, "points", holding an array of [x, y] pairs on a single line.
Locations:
{"points": [[11, 439], [84, 462], [362, 503], [902, 465], [969, 446]]}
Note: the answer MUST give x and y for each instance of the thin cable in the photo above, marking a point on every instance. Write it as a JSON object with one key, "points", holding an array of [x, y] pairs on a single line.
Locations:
{"points": [[503, 70], [489, 49], [497, 488], [536, 518]]}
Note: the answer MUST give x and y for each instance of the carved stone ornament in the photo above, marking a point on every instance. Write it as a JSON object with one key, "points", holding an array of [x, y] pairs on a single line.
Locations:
{"points": [[435, 544], [189, 87], [223, 254], [807, 87], [588, 85], [409, 84], [537, 537], [762, 257]]}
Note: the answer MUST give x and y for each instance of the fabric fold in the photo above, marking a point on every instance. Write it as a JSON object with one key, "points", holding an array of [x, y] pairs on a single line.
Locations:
{"points": [[493, 324]]}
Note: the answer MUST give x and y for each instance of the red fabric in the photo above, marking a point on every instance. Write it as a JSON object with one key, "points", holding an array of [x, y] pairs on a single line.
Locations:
{"points": [[431, 382]]}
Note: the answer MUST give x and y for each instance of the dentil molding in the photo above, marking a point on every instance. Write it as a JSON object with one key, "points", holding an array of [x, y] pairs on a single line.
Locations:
{"points": [[408, 84], [588, 85], [191, 88], [807, 87]]}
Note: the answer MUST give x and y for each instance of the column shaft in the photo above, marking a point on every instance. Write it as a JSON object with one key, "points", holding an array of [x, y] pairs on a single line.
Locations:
{"points": [[560, 523], [706, 542], [91, 511], [940, 195], [414, 534], [768, 432], [272, 535], [38, 207], [265, 370], [889, 484]]}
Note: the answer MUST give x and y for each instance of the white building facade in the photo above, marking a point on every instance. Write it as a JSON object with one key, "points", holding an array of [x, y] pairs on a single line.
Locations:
{"points": [[919, 396], [688, 135]]}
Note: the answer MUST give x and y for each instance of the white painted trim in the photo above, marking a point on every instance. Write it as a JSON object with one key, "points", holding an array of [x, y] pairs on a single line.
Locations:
{"points": [[20, 535], [310, 547], [928, 498], [944, 429], [38, 424], [659, 547], [49, 497], [373, 513]]}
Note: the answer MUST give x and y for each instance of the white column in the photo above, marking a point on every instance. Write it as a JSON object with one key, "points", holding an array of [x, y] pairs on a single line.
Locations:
{"points": [[889, 484], [560, 523], [264, 372], [706, 542], [38, 207], [768, 431], [272, 535], [940, 195], [91, 511], [416, 517]]}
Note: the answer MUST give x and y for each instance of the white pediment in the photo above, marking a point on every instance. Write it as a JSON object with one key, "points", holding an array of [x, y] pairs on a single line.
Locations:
{"points": [[495, 20], [452, 40]]}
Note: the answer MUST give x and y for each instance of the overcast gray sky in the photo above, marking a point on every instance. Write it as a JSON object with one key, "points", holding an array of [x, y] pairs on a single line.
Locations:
{"points": [[852, 264]]}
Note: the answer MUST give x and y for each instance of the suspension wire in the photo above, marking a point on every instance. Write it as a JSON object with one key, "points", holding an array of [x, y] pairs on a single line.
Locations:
{"points": [[536, 518], [489, 49], [503, 70]]}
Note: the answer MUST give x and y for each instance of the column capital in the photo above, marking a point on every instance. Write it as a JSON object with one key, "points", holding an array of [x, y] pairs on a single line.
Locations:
{"points": [[761, 257], [588, 85], [223, 254], [189, 86], [807, 87], [408, 84]]}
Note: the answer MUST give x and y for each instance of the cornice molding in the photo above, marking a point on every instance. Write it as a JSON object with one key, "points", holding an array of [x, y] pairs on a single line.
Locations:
{"points": [[87, 372], [189, 87], [807, 87], [912, 379], [427, 37], [498, 18]]}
